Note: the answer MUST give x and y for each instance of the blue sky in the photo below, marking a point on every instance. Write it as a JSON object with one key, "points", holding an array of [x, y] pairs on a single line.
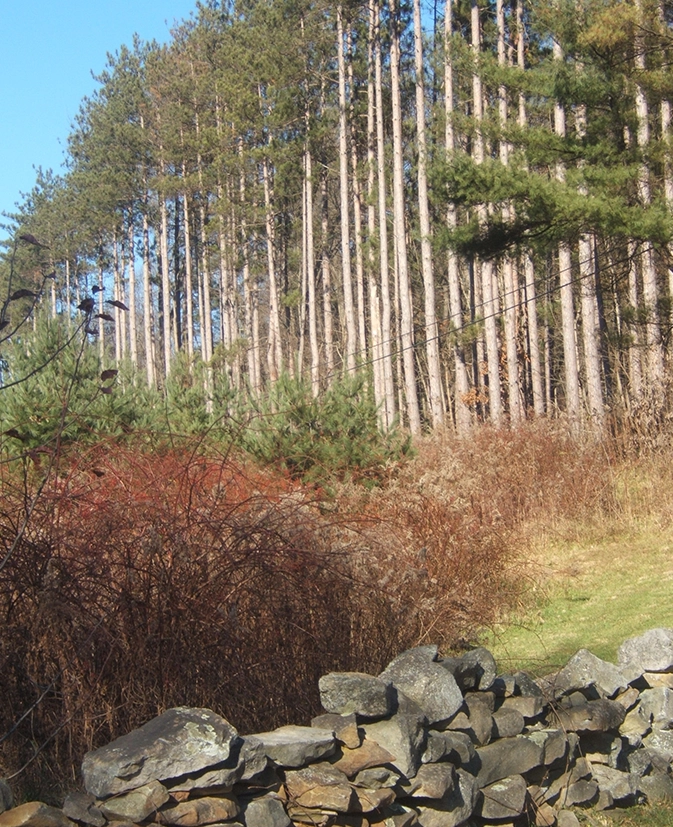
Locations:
{"points": [[48, 52]]}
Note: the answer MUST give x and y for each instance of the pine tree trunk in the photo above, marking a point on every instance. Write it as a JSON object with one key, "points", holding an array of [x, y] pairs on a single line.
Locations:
{"points": [[189, 274], [147, 304], [509, 274], [325, 270], [484, 269], [406, 322], [572, 384], [527, 260], [655, 361], [431, 330], [376, 350], [347, 284], [274, 351], [384, 260], [133, 330], [462, 386]]}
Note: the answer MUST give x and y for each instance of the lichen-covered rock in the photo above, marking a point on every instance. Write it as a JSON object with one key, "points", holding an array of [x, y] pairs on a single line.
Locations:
{"points": [[265, 812], [345, 728], [591, 716], [623, 786], [431, 781], [656, 706], [585, 670], [136, 805], [475, 669], [82, 807], [505, 799], [179, 742], [426, 683], [356, 692], [321, 786], [456, 806], [403, 736], [651, 651], [453, 746], [508, 756], [294, 746]]}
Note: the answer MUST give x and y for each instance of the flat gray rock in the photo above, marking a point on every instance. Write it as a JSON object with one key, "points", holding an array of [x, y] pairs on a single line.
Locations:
{"points": [[656, 787], [623, 786], [455, 808], [179, 742], [426, 683], [651, 651], [656, 705], [591, 716], [136, 805], [507, 723], [82, 807], [508, 756], [294, 746], [474, 670], [431, 781], [403, 736], [585, 670], [355, 692], [505, 799], [455, 747], [265, 812]]}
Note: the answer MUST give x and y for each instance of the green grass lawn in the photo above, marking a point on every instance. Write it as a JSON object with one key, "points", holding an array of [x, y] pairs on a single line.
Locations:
{"points": [[593, 595]]}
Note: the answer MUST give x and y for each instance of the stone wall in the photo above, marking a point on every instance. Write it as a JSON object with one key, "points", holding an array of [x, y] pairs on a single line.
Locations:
{"points": [[435, 742]]}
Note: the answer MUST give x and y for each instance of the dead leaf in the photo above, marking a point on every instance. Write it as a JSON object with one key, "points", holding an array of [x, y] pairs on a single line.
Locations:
{"points": [[87, 305], [29, 238], [116, 303], [15, 434], [106, 389], [108, 374], [105, 316]]}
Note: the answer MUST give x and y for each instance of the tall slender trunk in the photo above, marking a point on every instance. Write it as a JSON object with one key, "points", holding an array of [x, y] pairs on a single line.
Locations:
{"points": [[310, 275], [357, 215], [406, 310], [655, 360], [165, 275], [527, 259], [133, 322], [326, 275], [431, 330], [347, 284], [591, 332], [462, 386], [484, 268], [509, 271], [572, 383], [376, 350], [384, 261], [274, 351], [147, 304]]}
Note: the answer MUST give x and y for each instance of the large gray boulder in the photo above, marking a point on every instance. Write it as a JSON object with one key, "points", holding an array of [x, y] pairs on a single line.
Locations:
{"points": [[426, 683], [651, 651], [179, 742], [656, 706], [265, 812]]}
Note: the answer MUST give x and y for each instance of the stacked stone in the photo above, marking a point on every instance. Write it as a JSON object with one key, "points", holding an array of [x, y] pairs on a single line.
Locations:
{"points": [[434, 742]]}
